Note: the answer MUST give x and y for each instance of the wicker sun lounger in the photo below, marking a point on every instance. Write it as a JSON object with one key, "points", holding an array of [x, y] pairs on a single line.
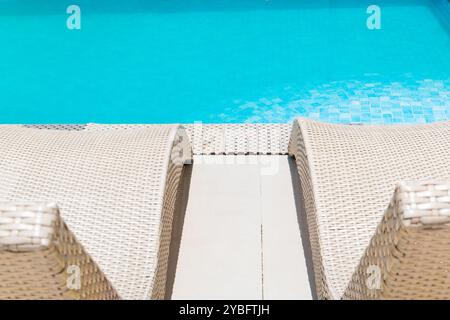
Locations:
{"points": [[88, 214], [353, 175]]}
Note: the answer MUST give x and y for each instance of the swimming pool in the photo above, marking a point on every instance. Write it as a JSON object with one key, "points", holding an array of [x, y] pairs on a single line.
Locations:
{"points": [[224, 61]]}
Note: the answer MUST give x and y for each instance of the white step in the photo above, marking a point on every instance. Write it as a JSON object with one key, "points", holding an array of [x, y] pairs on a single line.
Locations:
{"points": [[241, 238]]}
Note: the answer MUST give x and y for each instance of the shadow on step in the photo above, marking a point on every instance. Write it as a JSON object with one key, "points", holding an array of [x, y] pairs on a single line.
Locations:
{"points": [[177, 228], [303, 225]]}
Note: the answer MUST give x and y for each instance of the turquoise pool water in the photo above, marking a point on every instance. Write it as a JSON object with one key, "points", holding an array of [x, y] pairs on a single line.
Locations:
{"points": [[164, 61]]}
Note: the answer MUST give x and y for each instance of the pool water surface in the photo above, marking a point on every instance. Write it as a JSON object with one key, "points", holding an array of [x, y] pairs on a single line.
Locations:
{"points": [[224, 61]]}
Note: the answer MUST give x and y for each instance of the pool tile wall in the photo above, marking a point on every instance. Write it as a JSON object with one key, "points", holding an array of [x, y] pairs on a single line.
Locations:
{"points": [[351, 102]]}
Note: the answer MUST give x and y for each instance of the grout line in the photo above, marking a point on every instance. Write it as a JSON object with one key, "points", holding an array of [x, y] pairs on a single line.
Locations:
{"points": [[262, 264], [262, 235]]}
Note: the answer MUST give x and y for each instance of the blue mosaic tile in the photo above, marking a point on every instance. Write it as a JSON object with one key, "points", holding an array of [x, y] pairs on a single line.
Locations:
{"points": [[376, 102]]}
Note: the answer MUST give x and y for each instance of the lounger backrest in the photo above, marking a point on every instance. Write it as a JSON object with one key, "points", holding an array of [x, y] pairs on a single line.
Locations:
{"points": [[348, 175], [113, 187]]}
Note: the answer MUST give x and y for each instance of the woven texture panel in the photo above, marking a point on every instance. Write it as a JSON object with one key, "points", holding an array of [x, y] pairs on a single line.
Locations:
{"points": [[408, 256], [40, 258], [210, 139], [70, 127], [115, 189], [348, 175]]}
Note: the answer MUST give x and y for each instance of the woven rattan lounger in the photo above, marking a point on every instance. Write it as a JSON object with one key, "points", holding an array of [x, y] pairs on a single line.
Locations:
{"points": [[348, 177], [88, 214]]}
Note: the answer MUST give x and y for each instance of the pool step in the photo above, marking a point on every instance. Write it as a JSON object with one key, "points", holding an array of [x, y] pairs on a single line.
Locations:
{"points": [[241, 238]]}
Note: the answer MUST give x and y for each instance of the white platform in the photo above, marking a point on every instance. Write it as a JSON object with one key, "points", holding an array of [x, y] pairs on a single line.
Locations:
{"points": [[241, 237]]}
